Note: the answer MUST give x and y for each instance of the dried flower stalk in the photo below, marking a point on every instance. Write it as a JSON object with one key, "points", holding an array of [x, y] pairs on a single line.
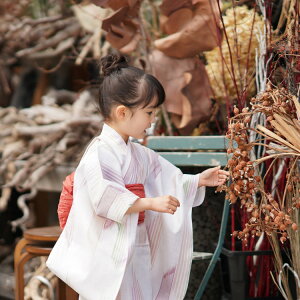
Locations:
{"points": [[275, 214]]}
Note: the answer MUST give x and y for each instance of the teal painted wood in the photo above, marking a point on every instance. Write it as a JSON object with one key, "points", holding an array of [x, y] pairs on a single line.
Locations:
{"points": [[187, 142], [216, 254], [181, 159]]}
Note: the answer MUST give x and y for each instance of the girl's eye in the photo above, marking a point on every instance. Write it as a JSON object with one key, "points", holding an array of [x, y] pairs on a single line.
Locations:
{"points": [[150, 113]]}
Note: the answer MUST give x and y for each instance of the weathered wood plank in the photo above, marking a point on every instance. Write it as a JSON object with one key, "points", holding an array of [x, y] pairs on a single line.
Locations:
{"points": [[208, 159], [187, 142]]}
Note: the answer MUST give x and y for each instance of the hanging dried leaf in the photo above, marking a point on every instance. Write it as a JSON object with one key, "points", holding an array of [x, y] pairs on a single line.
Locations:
{"points": [[115, 4], [176, 21], [187, 89], [122, 29], [170, 6], [198, 92], [90, 16], [198, 27]]}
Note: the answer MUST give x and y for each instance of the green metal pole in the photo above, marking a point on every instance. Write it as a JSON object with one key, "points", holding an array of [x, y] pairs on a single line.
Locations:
{"points": [[217, 252]]}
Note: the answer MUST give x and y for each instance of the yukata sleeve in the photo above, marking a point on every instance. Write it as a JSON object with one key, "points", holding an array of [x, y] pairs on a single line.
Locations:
{"points": [[101, 177], [166, 179]]}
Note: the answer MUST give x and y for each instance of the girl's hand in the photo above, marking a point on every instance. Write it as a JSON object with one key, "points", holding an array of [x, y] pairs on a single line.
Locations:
{"points": [[165, 204], [213, 177]]}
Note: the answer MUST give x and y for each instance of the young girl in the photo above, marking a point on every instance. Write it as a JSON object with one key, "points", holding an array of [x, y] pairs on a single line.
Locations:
{"points": [[129, 232]]}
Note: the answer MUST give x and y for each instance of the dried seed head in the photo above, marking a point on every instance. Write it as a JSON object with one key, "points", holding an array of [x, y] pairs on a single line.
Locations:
{"points": [[235, 234], [237, 152], [269, 207], [251, 185], [266, 103], [282, 239], [244, 153], [247, 119], [232, 198], [237, 188], [257, 178], [238, 167], [243, 163], [277, 220], [282, 227]]}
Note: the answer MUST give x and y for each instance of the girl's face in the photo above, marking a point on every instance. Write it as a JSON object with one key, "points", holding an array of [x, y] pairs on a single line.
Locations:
{"points": [[133, 122], [140, 120]]}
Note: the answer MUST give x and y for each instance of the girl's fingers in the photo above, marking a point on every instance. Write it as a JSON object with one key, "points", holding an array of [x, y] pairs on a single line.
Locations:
{"points": [[175, 202], [173, 207], [224, 172], [216, 168]]}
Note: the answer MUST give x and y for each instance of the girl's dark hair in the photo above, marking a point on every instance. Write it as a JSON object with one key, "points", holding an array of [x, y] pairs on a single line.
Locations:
{"points": [[126, 85]]}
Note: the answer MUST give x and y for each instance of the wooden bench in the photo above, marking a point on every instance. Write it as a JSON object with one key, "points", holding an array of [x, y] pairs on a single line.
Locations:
{"points": [[199, 151]]}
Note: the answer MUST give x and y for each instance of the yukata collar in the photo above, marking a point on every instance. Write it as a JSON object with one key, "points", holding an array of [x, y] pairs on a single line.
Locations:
{"points": [[109, 134]]}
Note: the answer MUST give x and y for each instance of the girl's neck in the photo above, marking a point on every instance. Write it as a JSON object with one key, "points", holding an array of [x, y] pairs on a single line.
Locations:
{"points": [[114, 126]]}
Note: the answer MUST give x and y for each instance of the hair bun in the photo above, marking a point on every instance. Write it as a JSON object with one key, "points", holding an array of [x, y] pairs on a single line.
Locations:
{"points": [[111, 63]]}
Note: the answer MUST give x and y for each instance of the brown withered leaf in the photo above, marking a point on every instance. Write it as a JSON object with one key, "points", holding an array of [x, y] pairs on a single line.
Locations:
{"points": [[122, 29], [114, 4], [132, 45], [196, 34], [187, 89], [198, 91], [176, 20], [170, 6]]}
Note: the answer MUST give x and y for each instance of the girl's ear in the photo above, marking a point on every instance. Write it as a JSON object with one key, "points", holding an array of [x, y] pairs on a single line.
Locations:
{"points": [[121, 112]]}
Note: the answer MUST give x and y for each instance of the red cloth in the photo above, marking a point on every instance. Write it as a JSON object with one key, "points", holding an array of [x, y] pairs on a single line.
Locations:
{"points": [[66, 199], [138, 189]]}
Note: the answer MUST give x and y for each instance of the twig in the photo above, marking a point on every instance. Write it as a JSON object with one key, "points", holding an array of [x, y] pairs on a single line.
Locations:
{"points": [[72, 30]]}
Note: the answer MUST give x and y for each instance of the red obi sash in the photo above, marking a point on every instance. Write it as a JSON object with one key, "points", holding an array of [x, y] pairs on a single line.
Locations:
{"points": [[66, 199], [138, 189]]}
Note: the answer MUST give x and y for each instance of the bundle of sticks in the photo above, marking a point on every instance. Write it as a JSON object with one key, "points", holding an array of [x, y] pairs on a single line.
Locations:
{"points": [[44, 136], [55, 36]]}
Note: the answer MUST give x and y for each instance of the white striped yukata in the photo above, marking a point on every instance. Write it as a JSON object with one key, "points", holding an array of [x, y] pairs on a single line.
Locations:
{"points": [[102, 253]]}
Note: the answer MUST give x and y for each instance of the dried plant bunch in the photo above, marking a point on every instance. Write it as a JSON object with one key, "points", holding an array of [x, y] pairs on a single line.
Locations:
{"points": [[231, 67], [281, 137]]}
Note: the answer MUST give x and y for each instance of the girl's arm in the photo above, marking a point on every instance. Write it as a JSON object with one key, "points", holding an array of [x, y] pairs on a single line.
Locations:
{"points": [[165, 204]]}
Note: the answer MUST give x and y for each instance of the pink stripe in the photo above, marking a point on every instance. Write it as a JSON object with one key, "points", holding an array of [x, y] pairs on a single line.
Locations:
{"points": [[108, 197], [108, 223], [137, 292], [183, 268], [166, 284], [109, 174], [154, 237]]}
